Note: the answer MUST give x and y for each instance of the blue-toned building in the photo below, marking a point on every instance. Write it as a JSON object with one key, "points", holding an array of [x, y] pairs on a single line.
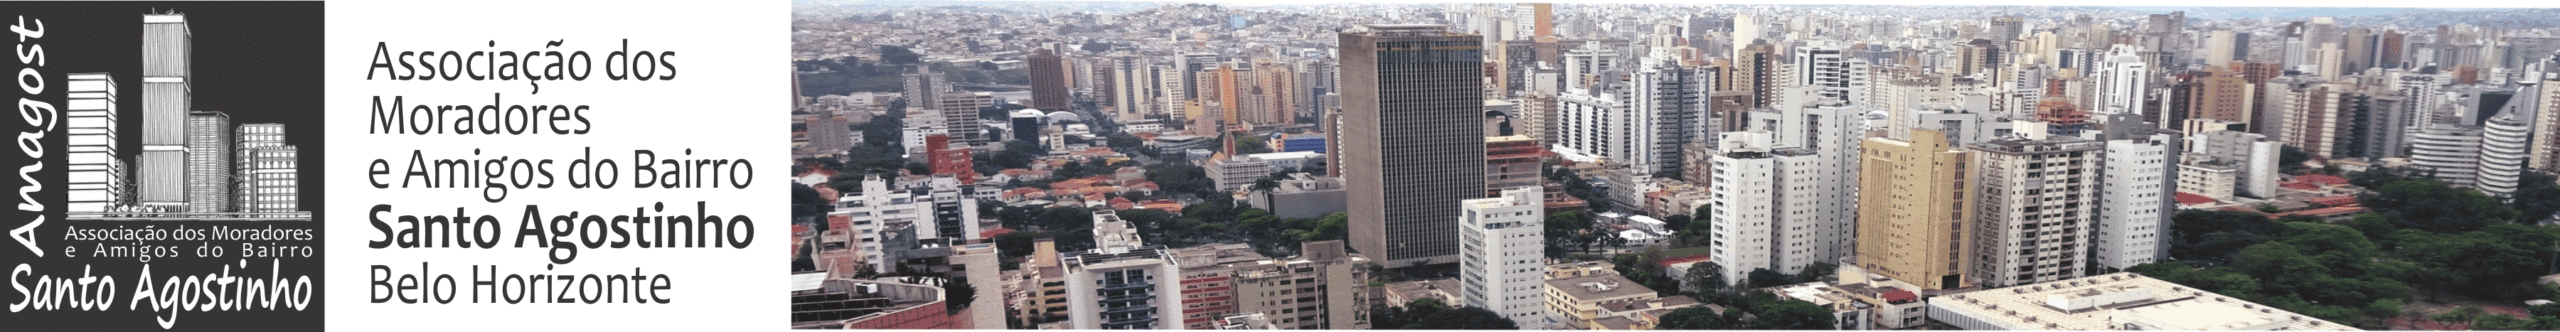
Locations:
{"points": [[1312, 142]]}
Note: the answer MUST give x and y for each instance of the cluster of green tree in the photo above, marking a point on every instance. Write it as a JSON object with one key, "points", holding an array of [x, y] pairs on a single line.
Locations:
{"points": [[2422, 236], [2536, 198], [1183, 177], [1430, 314], [981, 72], [1762, 277], [1121, 141], [880, 153], [2434, 207], [1709, 278], [1216, 220], [1016, 244], [1016, 154], [1283, 235], [1751, 310], [899, 55], [2289, 160], [809, 207], [1002, 112], [2321, 270], [1572, 232], [886, 130], [1692, 230], [1577, 186], [2210, 237], [1072, 226], [848, 77], [1252, 144], [852, 65], [2543, 318], [1071, 169], [1645, 269]]}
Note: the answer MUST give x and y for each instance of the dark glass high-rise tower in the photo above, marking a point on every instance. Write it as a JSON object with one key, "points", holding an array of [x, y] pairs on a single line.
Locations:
{"points": [[1412, 139]]}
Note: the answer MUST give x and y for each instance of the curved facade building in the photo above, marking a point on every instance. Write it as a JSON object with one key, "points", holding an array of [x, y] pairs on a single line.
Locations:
{"points": [[2503, 148], [2452, 151]]}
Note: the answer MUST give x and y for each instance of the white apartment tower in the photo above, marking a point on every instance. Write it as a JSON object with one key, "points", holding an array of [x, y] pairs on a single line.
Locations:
{"points": [[1502, 263], [2502, 153], [1672, 101], [2037, 200], [2120, 77], [1122, 284], [2451, 151], [1642, 123], [954, 213], [1584, 65], [2137, 191], [871, 211], [2251, 156], [1785, 192], [1838, 77], [1132, 91], [1593, 123], [2422, 91]]}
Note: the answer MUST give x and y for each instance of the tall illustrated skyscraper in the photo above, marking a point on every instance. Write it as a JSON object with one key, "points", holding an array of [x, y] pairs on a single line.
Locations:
{"points": [[1412, 139], [209, 164], [96, 174], [160, 172]]}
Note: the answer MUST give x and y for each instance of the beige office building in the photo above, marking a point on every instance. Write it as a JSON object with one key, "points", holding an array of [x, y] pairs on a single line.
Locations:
{"points": [[1913, 206]]}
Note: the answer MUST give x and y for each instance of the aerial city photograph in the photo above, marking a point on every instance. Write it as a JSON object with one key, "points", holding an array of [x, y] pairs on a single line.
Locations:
{"points": [[1612, 166]]}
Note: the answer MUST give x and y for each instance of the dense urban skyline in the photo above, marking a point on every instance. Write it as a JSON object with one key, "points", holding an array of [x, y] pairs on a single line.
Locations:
{"points": [[1695, 167]]}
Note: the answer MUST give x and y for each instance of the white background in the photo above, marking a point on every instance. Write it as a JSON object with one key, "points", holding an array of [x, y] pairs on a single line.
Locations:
{"points": [[727, 102]]}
